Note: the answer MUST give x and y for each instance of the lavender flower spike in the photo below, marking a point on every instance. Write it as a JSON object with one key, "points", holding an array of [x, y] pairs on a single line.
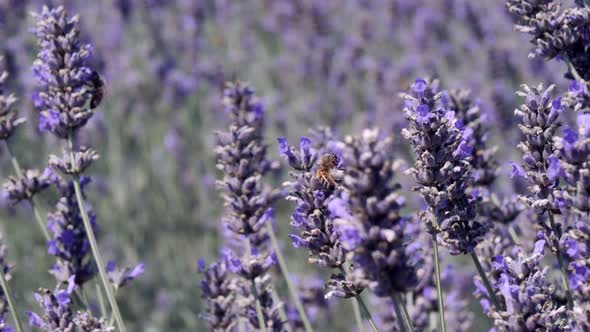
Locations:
{"points": [[313, 215], [529, 298], [64, 78], [241, 156], [442, 168], [539, 121], [58, 315], [218, 290], [443, 173], [372, 229], [69, 241], [68, 90]]}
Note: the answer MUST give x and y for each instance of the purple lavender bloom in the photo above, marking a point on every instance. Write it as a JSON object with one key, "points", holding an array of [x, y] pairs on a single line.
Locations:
{"points": [[373, 232], [443, 170], [473, 117], [69, 242], [120, 277], [577, 249], [241, 156], [68, 88], [422, 301], [311, 215], [539, 121], [58, 315], [555, 31], [573, 150], [32, 182], [529, 297], [314, 216], [217, 287], [9, 119]]}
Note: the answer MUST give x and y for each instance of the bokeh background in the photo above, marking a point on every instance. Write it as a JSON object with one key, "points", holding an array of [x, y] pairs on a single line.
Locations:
{"points": [[333, 63]]}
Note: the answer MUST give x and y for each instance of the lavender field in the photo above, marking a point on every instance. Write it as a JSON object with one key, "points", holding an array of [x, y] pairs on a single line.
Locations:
{"points": [[295, 165]]}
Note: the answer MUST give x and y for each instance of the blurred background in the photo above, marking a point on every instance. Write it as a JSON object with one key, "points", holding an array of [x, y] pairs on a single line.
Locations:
{"points": [[338, 64]]}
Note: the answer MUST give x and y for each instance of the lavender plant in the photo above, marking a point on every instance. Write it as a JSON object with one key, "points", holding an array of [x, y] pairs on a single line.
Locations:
{"points": [[164, 64], [443, 171], [528, 297], [241, 155], [312, 190], [539, 118], [370, 224], [68, 91]]}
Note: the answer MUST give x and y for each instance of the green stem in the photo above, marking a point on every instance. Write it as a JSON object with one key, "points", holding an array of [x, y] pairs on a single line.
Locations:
{"points": [[39, 219], [94, 246], [573, 70], [283, 266], [486, 281], [402, 320], [360, 304], [359, 299], [441, 309], [513, 235], [562, 265], [19, 173], [10, 300], [257, 304], [397, 300], [357, 315], [103, 308]]}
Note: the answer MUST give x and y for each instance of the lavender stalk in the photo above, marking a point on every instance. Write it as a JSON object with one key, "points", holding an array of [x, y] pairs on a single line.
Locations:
{"points": [[94, 246], [442, 145], [285, 273], [441, 307], [69, 90]]}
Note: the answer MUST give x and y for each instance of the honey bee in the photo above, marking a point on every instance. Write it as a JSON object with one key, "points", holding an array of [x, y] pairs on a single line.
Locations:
{"points": [[98, 85], [325, 165]]}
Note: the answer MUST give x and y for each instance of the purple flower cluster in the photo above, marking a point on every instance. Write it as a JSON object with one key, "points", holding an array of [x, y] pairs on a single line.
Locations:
{"points": [[23, 188], [556, 31], [577, 244], [539, 122], [528, 295], [312, 215], [58, 314], [69, 242], [442, 169], [218, 288], [241, 156], [573, 150], [67, 85], [422, 300], [368, 215]]}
